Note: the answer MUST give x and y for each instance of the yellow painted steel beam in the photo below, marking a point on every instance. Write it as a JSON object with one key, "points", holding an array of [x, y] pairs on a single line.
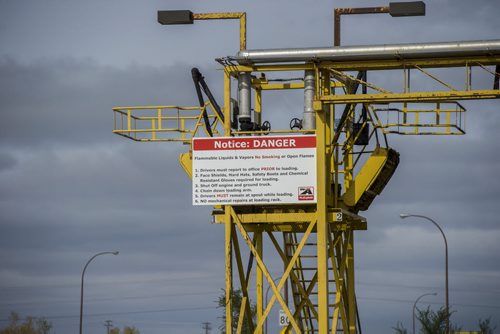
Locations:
{"points": [[366, 177], [288, 217], [287, 273], [289, 85], [372, 65], [272, 132], [279, 86], [150, 130], [259, 281], [302, 227], [265, 271], [185, 141], [322, 209], [411, 97], [342, 248], [246, 311], [244, 302], [307, 300], [185, 162], [337, 257], [242, 16], [304, 294], [124, 109], [351, 296], [258, 107], [339, 220], [229, 270]]}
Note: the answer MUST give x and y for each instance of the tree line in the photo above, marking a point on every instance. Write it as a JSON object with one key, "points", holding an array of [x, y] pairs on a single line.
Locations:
{"points": [[40, 325], [434, 322]]}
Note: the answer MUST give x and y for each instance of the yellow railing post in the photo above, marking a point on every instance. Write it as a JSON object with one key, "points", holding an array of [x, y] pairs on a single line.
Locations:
{"points": [[129, 120]]}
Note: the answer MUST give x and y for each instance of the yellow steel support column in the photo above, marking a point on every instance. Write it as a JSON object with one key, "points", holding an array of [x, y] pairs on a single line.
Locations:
{"points": [[229, 269], [275, 288], [348, 146], [241, 320], [244, 280], [351, 296], [227, 211], [328, 89], [259, 281], [321, 213], [305, 294], [338, 260]]}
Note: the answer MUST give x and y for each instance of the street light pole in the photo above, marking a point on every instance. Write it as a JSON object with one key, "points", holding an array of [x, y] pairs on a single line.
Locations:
{"points": [[395, 9], [81, 287], [168, 17], [415, 305], [352, 11], [447, 304], [108, 324]]}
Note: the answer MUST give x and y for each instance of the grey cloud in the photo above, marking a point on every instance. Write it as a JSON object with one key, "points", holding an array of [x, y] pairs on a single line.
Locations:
{"points": [[69, 101], [7, 161], [69, 188]]}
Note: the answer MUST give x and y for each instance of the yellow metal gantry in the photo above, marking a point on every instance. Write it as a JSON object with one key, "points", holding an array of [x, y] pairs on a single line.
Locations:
{"points": [[313, 242]]}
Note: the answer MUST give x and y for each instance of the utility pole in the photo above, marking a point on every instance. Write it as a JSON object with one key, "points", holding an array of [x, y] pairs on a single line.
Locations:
{"points": [[108, 324], [207, 326]]}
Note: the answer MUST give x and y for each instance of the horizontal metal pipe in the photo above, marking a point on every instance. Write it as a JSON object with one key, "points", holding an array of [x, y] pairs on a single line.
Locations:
{"points": [[370, 52]]}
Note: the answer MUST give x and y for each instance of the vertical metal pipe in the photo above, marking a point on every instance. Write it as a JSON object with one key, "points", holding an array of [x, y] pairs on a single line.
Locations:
{"points": [[227, 103], [309, 116], [244, 97]]}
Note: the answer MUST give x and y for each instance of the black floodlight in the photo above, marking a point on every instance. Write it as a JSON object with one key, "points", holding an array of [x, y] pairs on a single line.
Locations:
{"points": [[412, 8], [166, 17]]}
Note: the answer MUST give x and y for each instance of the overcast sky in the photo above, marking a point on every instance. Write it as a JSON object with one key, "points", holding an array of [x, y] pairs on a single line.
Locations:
{"points": [[69, 188]]}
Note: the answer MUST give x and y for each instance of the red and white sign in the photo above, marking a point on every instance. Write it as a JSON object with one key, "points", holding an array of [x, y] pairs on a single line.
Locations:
{"points": [[254, 170]]}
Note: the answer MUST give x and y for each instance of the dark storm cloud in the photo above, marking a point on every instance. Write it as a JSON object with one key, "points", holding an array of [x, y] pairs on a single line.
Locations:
{"points": [[69, 188], [69, 101], [7, 161], [50, 195]]}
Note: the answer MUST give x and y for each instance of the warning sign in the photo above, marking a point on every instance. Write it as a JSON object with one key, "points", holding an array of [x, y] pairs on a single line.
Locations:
{"points": [[306, 193], [254, 170]]}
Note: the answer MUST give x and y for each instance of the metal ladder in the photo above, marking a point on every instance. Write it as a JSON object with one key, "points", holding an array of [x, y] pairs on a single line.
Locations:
{"points": [[305, 270]]}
